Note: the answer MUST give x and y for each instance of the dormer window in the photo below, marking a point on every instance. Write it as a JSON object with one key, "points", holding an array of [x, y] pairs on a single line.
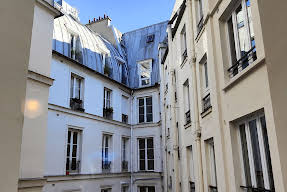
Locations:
{"points": [[145, 69], [76, 48], [150, 38]]}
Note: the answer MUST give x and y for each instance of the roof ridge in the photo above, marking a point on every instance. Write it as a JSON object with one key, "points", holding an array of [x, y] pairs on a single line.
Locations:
{"points": [[146, 27]]}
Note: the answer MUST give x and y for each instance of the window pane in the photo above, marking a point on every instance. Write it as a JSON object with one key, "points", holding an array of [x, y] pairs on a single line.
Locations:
{"points": [[141, 102], [150, 154], [206, 74], [150, 143], [74, 164], [142, 164], [141, 143], [267, 152], [145, 82], [149, 100], [142, 189], [67, 164], [149, 109], [242, 33], [141, 118], [149, 117], [74, 154], [75, 137], [151, 189], [256, 154], [141, 110], [150, 164], [245, 155], [72, 87], [68, 150], [231, 41], [142, 154], [69, 136]]}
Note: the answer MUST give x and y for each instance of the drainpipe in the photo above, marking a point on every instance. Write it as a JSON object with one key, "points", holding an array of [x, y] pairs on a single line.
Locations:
{"points": [[131, 147], [195, 95]]}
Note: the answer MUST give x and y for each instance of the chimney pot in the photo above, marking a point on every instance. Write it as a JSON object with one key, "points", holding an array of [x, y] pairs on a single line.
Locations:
{"points": [[89, 21]]}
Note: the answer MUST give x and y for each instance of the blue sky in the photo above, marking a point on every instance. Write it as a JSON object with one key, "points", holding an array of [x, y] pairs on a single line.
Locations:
{"points": [[126, 15]]}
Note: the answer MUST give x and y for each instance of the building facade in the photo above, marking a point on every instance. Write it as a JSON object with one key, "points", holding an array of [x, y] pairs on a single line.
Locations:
{"points": [[221, 125], [104, 129]]}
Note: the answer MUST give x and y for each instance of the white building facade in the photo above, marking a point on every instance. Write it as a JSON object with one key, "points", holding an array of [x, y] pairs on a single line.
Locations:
{"points": [[104, 128]]}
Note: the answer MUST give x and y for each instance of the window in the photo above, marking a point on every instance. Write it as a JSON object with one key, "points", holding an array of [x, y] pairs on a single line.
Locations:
{"points": [[190, 162], [146, 154], [145, 68], [186, 101], [183, 44], [146, 189], [241, 38], [73, 151], [108, 110], [199, 8], [125, 109], [106, 152], [145, 109], [150, 38], [106, 190], [211, 165], [125, 188], [125, 163], [75, 48], [255, 154], [206, 104], [76, 93]]}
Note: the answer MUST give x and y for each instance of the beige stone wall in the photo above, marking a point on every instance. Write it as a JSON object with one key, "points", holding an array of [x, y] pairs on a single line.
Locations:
{"points": [[255, 90]]}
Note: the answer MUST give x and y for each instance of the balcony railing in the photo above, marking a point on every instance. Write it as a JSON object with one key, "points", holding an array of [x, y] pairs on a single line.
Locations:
{"points": [[187, 117], [125, 118], [200, 24], [212, 188], [254, 189], [76, 104], [125, 165], [106, 166], [108, 113], [206, 103], [242, 63]]}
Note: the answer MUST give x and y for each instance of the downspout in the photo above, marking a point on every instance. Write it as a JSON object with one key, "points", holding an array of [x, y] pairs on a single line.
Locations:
{"points": [[131, 147], [196, 106]]}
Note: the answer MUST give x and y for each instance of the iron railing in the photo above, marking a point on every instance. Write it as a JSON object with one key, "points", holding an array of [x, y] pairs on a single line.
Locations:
{"points": [[212, 188], [187, 117], [243, 62], [125, 118], [125, 165], [106, 166], [76, 104], [206, 104], [256, 189], [191, 186]]}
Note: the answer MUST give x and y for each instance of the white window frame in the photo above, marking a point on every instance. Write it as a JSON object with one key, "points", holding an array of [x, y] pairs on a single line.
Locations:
{"points": [[107, 101], [263, 155], [186, 87], [125, 188], [145, 109], [146, 154], [71, 144], [149, 62], [124, 153], [107, 158], [211, 162], [183, 43], [73, 88], [235, 31], [205, 82]]}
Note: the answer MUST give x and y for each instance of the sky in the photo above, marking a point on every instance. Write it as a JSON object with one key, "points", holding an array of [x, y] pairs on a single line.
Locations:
{"points": [[126, 15]]}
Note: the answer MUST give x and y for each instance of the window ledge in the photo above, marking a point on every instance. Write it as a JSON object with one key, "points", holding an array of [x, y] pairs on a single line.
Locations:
{"points": [[206, 112], [233, 81]]}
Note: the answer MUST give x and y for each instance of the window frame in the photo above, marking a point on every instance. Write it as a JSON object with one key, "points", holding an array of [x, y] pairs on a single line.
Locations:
{"points": [[145, 109], [146, 188], [70, 151], [235, 36], [183, 39], [107, 92], [73, 79], [146, 154], [140, 63], [106, 151], [261, 144]]}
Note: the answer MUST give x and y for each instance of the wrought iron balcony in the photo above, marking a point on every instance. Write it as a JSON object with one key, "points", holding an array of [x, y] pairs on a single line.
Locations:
{"points": [[108, 113], [242, 63], [191, 186], [187, 117], [73, 167], [76, 104], [206, 104], [255, 189], [125, 165], [106, 166]]}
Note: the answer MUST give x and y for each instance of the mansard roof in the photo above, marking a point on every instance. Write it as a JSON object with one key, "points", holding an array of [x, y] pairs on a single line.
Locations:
{"points": [[123, 63]]}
